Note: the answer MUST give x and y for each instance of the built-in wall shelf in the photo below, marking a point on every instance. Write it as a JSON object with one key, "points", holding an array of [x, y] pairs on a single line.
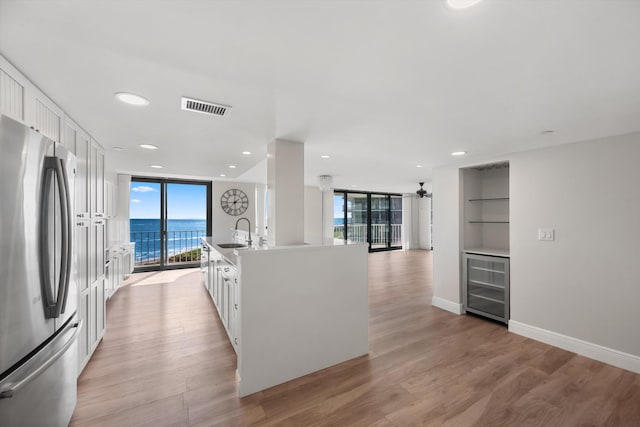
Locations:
{"points": [[485, 229], [489, 199]]}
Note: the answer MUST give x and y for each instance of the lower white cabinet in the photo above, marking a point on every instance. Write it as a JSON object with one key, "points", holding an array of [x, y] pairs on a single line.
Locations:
{"points": [[222, 283]]}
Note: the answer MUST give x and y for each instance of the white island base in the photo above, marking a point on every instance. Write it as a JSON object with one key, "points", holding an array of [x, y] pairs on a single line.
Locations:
{"points": [[301, 309]]}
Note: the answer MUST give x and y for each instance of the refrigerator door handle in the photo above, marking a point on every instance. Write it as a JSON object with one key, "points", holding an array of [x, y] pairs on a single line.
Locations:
{"points": [[67, 229], [10, 388], [55, 166]]}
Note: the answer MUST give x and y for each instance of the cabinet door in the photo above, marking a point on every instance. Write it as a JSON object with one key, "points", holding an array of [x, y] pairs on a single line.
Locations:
{"points": [[84, 339], [82, 241], [77, 142], [11, 97], [235, 306], [97, 180], [101, 318], [47, 118], [96, 251]]}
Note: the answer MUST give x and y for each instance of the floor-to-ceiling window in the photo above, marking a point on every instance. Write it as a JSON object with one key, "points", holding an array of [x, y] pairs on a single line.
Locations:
{"points": [[167, 219], [373, 218]]}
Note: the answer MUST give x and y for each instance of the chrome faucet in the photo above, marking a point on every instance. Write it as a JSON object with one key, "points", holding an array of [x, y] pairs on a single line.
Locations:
{"points": [[249, 241]]}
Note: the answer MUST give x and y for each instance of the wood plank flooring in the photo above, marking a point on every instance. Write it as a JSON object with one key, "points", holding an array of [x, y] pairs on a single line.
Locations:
{"points": [[166, 361]]}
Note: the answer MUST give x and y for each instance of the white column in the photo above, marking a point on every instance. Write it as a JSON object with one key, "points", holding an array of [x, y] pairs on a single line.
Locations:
{"points": [[325, 182], [285, 186]]}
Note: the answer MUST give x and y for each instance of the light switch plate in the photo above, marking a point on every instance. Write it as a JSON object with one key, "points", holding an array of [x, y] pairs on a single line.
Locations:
{"points": [[547, 234]]}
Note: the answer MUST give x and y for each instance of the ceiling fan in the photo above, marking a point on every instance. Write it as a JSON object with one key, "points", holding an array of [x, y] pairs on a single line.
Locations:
{"points": [[422, 192]]}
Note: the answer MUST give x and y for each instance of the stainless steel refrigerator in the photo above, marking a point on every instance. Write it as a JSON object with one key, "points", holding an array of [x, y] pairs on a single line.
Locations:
{"points": [[38, 296]]}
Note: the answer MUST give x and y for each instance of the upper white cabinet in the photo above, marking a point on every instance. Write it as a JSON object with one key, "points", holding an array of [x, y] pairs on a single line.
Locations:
{"points": [[77, 141], [109, 200], [97, 180], [44, 116], [11, 96]]}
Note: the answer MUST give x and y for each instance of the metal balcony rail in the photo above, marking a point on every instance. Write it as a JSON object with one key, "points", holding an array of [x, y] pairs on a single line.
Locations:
{"points": [[379, 233], [181, 246]]}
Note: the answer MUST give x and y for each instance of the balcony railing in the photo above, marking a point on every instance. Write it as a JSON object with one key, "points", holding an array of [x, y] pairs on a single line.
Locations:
{"points": [[379, 233], [181, 247]]}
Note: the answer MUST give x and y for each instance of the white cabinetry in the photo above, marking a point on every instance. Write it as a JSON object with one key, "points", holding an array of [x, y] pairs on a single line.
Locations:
{"points": [[110, 209], [44, 116], [11, 96], [22, 100], [223, 284], [96, 156]]}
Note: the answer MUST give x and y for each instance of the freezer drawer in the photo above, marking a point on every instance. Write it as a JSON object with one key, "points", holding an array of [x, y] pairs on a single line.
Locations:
{"points": [[42, 391]]}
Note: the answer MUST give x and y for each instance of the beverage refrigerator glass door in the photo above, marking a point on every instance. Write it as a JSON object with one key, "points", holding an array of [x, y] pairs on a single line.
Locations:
{"points": [[38, 297]]}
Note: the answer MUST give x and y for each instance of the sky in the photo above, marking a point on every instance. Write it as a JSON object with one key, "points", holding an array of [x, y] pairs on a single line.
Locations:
{"points": [[184, 201]]}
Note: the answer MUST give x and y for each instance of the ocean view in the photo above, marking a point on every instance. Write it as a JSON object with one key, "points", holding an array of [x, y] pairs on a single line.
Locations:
{"points": [[183, 235]]}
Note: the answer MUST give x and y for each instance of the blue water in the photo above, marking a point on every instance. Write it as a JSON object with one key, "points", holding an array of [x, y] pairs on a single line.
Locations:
{"points": [[183, 235]]}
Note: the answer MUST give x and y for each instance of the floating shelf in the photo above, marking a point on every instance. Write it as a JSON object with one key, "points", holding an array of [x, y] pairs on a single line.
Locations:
{"points": [[488, 222], [488, 199]]}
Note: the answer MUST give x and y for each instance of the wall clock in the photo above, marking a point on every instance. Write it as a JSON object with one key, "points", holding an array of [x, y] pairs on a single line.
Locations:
{"points": [[234, 202]]}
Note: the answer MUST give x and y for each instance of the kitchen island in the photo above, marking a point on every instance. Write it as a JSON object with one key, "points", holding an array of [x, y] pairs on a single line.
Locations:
{"points": [[289, 310]]}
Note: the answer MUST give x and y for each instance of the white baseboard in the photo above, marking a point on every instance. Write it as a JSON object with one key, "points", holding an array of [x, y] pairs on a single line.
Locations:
{"points": [[445, 304], [607, 355]]}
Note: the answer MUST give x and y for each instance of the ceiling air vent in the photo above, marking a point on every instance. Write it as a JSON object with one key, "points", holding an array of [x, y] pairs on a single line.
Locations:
{"points": [[204, 107]]}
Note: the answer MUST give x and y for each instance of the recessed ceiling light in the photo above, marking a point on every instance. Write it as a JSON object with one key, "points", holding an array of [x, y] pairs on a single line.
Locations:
{"points": [[246, 153], [132, 99], [157, 166], [149, 146], [324, 156], [223, 175], [546, 132], [232, 166], [458, 153], [462, 4], [418, 166], [353, 185], [118, 148]]}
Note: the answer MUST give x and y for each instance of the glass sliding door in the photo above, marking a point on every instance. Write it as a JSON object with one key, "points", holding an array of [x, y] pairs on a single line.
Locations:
{"points": [[357, 218], [186, 222], [167, 219], [375, 218], [395, 239], [379, 221], [144, 223], [339, 214]]}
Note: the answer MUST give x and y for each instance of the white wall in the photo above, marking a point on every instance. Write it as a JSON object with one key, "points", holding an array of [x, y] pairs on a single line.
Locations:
{"points": [[584, 285], [223, 223], [446, 238]]}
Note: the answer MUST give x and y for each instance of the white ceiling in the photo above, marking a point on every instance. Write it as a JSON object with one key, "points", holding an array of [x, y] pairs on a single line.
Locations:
{"points": [[380, 86]]}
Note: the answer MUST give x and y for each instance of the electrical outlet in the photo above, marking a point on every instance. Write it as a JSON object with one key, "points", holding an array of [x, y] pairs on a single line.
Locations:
{"points": [[546, 234]]}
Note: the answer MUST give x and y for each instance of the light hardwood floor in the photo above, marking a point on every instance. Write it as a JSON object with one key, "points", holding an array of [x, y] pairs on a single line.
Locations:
{"points": [[166, 361]]}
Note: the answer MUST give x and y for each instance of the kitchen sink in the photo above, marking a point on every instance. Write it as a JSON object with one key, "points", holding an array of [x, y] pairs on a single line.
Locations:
{"points": [[231, 245]]}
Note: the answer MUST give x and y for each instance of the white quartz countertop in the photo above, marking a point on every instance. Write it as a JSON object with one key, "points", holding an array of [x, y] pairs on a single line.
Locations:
{"points": [[232, 254]]}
